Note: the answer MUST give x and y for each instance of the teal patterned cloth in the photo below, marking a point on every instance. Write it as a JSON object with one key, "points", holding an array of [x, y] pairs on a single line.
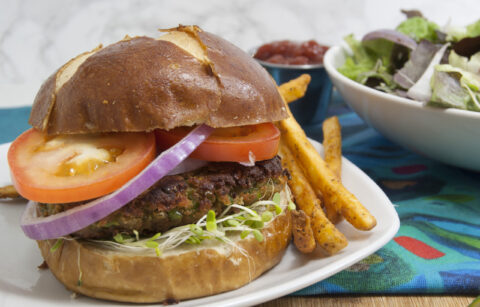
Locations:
{"points": [[437, 249], [13, 121]]}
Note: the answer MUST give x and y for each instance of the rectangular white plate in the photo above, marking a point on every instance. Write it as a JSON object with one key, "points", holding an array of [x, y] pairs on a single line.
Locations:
{"points": [[22, 284]]}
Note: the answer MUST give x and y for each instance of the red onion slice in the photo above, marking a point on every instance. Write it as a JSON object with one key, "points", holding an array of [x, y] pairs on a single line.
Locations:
{"points": [[67, 222], [393, 36]]}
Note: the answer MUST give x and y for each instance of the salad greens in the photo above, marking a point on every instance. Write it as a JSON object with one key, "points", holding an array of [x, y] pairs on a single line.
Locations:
{"points": [[419, 28], [456, 33], [367, 62], [441, 67], [418, 62]]}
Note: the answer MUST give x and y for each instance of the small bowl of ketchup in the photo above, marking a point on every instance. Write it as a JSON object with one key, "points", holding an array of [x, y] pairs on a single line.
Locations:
{"points": [[286, 60]]}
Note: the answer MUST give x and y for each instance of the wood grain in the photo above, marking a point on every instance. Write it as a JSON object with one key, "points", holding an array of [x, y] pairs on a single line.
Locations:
{"points": [[371, 301]]}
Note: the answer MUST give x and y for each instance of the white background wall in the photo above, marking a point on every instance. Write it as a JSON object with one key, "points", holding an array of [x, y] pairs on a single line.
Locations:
{"points": [[37, 36]]}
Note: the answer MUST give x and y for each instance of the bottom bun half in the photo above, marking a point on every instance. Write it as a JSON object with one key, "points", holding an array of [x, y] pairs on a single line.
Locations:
{"points": [[103, 273]]}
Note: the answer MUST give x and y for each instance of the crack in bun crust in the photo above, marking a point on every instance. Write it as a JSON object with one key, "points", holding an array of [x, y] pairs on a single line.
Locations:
{"points": [[201, 272], [141, 83]]}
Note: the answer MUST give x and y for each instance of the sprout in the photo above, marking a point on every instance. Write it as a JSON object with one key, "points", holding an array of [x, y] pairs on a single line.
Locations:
{"points": [[276, 199], [151, 244], [79, 281], [235, 218], [57, 244], [193, 240], [291, 205], [258, 235], [232, 222], [255, 224], [245, 233], [155, 237], [119, 238], [135, 232], [211, 223], [197, 230], [267, 216]]}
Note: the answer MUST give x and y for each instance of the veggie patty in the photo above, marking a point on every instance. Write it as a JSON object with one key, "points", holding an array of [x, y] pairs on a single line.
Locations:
{"points": [[182, 199]]}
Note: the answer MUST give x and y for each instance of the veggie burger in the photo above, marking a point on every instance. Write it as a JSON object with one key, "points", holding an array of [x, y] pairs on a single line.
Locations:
{"points": [[152, 169]]}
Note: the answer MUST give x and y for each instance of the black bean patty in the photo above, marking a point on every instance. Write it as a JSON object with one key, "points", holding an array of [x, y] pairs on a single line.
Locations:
{"points": [[183, 199]]}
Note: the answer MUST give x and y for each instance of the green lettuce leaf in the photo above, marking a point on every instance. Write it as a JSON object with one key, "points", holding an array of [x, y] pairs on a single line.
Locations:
{"points": [[467, 79], [367, 61], [380, 48], [378, 71], [360, 61], [352, 69], [419, 28], [473, 29], [448, 93], [455, 87], [456, 33], [360, 54], [471, 65]]}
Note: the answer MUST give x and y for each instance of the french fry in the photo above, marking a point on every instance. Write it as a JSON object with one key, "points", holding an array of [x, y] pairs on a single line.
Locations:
{"points": [[302, 232], [325, 233], [332, 146], [330, 210], [8, 192], [323, 178], [330, 238], [294, 89], [303, 192]]}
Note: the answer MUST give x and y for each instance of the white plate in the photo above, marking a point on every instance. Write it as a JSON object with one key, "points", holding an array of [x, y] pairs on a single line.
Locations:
{"points": [[21, 284], [447, 135]]}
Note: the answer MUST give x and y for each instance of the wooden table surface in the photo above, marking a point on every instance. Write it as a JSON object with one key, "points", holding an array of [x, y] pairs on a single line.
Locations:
{"points": [[390, 301]]}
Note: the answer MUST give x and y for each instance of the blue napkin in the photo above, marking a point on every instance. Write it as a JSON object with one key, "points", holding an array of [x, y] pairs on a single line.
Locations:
{"points": [[13, 121]]}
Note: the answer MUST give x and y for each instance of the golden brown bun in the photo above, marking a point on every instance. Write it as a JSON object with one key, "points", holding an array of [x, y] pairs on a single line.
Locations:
{"points": [[186, 77], [145, 279]]}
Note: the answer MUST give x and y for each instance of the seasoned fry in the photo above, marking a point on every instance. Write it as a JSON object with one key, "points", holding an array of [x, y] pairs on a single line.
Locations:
{"points": [[294, 89], [325, 233], [302, 232], [332, 146], [331, 212], [328, 237], [323, 178], [8, 192], [302, 190]]}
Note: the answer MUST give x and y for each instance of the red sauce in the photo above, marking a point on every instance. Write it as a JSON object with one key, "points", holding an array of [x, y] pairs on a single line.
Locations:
{"points": [[292, 53]]}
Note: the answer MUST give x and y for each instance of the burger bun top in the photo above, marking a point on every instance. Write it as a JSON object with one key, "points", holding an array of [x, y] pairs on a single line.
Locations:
{"points": [[184, 78]]}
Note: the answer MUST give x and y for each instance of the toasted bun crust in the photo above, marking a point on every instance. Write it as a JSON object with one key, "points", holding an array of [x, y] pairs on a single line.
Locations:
{"points": [[148, 278], [185, 77]]}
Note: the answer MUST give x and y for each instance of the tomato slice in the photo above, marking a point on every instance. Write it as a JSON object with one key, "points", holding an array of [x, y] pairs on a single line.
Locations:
{"points": [[229, 144], [70, 168]]}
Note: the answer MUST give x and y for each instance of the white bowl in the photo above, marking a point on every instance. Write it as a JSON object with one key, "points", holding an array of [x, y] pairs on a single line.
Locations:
{"points": [[451, 136]]}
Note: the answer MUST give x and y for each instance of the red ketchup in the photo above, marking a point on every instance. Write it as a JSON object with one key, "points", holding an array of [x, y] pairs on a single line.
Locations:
{"points": [[292, 53]]}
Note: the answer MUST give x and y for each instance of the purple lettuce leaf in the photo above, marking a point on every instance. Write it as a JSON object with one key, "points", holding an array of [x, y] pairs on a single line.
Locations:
{"points": [[420, 58], [467, 46]]}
